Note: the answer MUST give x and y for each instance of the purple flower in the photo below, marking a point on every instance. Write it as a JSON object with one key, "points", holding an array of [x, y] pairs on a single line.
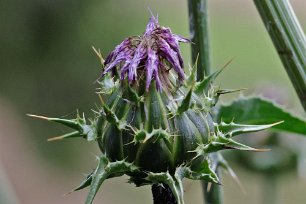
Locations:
{"points": [[153, 54]]}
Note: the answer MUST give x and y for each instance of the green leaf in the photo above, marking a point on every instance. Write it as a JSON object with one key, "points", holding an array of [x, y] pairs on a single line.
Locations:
{"points": [[222, 143], [192, 77], [203, 172], [85, 183], [72, 123], [185, 103], [79, 124], [105, 169], [203, 86], [107, 85], [132, 95], [112, 118], [99, 176], [233, 129], [255, 110]]}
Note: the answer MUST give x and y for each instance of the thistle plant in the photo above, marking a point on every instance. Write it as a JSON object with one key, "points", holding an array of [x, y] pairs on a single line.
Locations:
{"points": [[154, 123]]}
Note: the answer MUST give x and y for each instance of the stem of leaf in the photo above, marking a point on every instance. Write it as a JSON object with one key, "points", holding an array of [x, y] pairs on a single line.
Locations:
{"points": [[289, 40]]}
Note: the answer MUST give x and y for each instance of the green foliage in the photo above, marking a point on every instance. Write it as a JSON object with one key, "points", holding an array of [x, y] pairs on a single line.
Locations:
{"points": [[105, 169], [255, 110]]}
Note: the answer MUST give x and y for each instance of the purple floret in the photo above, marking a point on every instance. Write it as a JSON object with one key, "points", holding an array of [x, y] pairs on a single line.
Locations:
{"points": [[148, 54]]}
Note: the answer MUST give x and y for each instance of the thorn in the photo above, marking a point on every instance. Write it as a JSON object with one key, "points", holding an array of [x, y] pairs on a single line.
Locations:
{"points": [[236, 179], [230, 91], [277, 123], [68, 135], [55, 138], [228, 63], [101, 99], [66, 194], [129, 143], [38, 116], [98, 53], [250, 149]]}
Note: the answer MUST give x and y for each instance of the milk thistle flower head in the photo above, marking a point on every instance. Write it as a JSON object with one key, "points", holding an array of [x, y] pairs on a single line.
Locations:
{"points": [[150, 127], [150, 55]]}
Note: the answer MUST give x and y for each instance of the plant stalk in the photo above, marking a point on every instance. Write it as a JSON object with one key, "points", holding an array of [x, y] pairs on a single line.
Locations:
{"points": [[289, 40], [213, 193], [162, 194], [269, 193], [198, 27], [199, 35]]}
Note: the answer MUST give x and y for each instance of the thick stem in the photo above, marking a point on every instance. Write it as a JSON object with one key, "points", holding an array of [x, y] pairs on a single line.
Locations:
{"points": [[198, 26], [213, 193], [162, 194], [269, 193], [289, 40]]}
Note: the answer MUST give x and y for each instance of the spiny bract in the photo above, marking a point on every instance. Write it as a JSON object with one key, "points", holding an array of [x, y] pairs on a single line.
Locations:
{"points": [[154, 123]]}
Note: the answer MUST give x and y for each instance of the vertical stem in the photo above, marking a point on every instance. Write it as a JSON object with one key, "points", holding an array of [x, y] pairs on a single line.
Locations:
{"points": [[213, 194], [198, 26], [289, 40], [162, 194], [269, 194], [198, 23]]}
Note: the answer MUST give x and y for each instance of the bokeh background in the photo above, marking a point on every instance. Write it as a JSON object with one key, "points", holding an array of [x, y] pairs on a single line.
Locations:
{"points": [[47, 67]]}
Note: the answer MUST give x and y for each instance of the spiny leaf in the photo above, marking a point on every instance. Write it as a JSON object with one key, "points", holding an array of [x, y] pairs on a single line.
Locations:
{"points": [[189, 82], [85, 183], [79, 124], [105, 169], [142, 136], [232, 129], [204, 85], [202, 172], [122, 167], [185, 103], [231, 144], [255, 110], [132, 95], [112, 118], [90, 132], [223, 143], [107, 85], [72, 123], [98, 177]]}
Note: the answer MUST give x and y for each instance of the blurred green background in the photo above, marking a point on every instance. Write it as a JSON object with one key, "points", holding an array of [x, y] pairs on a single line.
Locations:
{"points": [[48, 68]]}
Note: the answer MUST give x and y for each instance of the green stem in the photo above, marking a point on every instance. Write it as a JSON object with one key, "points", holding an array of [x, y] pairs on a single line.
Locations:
{"points": [[289, 40], [162, 194], [213, 193], [198, 24], [269, 194]]}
